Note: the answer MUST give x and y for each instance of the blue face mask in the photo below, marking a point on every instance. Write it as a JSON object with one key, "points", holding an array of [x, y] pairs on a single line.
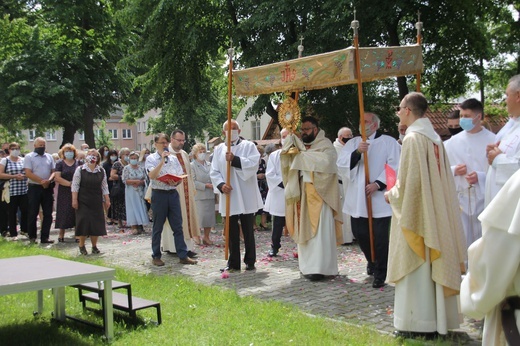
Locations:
{"points": [[133, 162], [466, 124], [69, 155]]}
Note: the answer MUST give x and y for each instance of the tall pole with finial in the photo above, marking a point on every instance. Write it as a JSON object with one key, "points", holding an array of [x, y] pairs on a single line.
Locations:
{"points": [[300, 54], [419, 26], [355, 26], [231, 52]]}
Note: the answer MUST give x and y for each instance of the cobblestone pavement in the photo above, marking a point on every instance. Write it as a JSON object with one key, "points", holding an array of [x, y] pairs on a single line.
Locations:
{"points": [[348, 297]]}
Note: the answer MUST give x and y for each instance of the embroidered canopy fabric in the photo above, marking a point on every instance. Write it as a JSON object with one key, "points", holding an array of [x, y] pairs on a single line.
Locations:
{"points": [[328, 70]]}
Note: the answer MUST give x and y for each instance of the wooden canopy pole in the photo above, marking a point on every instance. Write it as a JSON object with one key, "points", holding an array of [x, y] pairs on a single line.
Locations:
{"points": [[355, 26], [419, 26], [231, 51]]}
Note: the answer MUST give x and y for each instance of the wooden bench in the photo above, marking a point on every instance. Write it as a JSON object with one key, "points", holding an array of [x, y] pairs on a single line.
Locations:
{"points": [[124, 302]]}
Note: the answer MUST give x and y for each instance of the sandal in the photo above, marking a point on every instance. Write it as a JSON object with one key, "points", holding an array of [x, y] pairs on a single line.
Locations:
{"points": [[61, 240], [95, 250]]}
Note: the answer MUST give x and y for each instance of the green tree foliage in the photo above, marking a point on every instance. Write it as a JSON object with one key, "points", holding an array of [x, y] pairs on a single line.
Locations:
{"points": [[60, 65]]}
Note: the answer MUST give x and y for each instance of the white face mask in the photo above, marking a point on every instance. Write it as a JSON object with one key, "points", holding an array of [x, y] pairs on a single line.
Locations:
{"points": [[201, 156], [282, 141], [401, 137], [15, 152], [234, 135], [367, 129]]}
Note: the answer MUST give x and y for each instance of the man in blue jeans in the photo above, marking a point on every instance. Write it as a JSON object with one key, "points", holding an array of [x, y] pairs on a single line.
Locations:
{"points": [[165, 200], [39, 168]]}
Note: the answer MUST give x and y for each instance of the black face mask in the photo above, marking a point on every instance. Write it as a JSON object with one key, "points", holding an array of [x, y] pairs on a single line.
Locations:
{"points": [[308, 138], [346, 139], [39, 151], [454, 131]]}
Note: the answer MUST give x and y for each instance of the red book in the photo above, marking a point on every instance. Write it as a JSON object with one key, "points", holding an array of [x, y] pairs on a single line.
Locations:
{"points": [[167, 177], [390, 177]]}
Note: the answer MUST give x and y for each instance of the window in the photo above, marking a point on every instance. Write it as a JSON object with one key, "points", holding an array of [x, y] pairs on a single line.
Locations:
{"points": [[113, 133], [255, 129], [127, 134], [32, 135], [98, 133], [139, 127], [81, 136], [50, 135], [139, 147]]}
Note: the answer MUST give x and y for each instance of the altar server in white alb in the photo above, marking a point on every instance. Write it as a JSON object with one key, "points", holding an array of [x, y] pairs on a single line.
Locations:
{"points": [[382, 149], [504, 156], [344, 135], [467, 154], [243, 192], [310, 179], [494, 268], [275, 200]]}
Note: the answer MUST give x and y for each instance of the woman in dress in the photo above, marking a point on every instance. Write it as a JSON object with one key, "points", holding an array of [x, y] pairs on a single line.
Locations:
{"points": [[65, 168], [89, 196], [107, 165], [134, 179], [118, 201], [205, 197], [11, 167]]}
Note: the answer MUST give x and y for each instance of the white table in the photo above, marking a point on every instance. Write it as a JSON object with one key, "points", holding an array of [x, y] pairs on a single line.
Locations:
{"points": [[36, 273]]}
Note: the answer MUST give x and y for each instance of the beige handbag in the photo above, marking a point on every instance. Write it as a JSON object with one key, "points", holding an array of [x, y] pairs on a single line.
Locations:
{"points": [[148, 194], [6, 195]]}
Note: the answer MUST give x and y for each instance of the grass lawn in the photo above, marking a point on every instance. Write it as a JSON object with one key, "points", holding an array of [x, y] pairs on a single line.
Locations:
{"points": [[192, 314]]}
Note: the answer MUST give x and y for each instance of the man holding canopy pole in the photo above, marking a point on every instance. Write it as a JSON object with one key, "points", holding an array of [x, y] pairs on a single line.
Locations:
{"points": [[242, 190]]}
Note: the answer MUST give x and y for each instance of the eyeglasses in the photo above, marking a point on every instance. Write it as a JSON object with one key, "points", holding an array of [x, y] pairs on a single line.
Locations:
{"points": [[180, 140], [398, 108]]}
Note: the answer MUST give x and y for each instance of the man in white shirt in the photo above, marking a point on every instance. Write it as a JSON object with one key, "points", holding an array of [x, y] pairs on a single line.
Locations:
{"points": [[245, 199], [467, 154], [165, 200], [382, 149], [504, 156], [344, 135]]}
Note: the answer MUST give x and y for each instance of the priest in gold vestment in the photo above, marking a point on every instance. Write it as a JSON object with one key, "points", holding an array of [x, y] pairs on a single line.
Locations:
{"points": [[427, 245]]}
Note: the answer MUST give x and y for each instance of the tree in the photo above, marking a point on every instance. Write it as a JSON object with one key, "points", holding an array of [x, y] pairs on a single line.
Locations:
{"points": [[64, 73]]}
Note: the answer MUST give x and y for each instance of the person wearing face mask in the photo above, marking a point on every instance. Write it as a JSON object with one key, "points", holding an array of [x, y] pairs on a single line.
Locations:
{"points": [[103, 152], [275, 200], [381, 149], [205, 197], [187, 192], [401, 128], [134, 178], [65, 168], [344, 135], [90, 199], [312, 204], [11, 168], [107, 166], [467, 154], [118, 202], [453, 122], [39, 168], [245, 199]]}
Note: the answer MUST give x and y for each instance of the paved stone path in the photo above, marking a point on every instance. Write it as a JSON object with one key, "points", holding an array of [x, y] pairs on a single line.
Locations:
{"points": [[347, 297]]}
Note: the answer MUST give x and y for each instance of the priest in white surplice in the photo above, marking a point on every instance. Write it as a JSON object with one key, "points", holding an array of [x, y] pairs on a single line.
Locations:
{"points": [[382, 149], [494, 265], [344, 135], [187, 191], [467, 154], [313, 213], [504, 156], [427, 246], [243, 192]]}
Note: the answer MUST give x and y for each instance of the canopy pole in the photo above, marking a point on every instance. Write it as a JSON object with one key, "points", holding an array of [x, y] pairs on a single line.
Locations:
{"points": [[419, 26], [300, 54], [231, 51], [355, 26]]}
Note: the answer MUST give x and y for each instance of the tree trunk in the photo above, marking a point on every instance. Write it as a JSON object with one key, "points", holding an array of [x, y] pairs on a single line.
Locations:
{"points": [[69, 131], [88, 121]]}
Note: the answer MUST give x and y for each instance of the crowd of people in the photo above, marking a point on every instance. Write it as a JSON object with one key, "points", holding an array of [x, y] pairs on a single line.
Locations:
{"points": [[416, 205]]}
